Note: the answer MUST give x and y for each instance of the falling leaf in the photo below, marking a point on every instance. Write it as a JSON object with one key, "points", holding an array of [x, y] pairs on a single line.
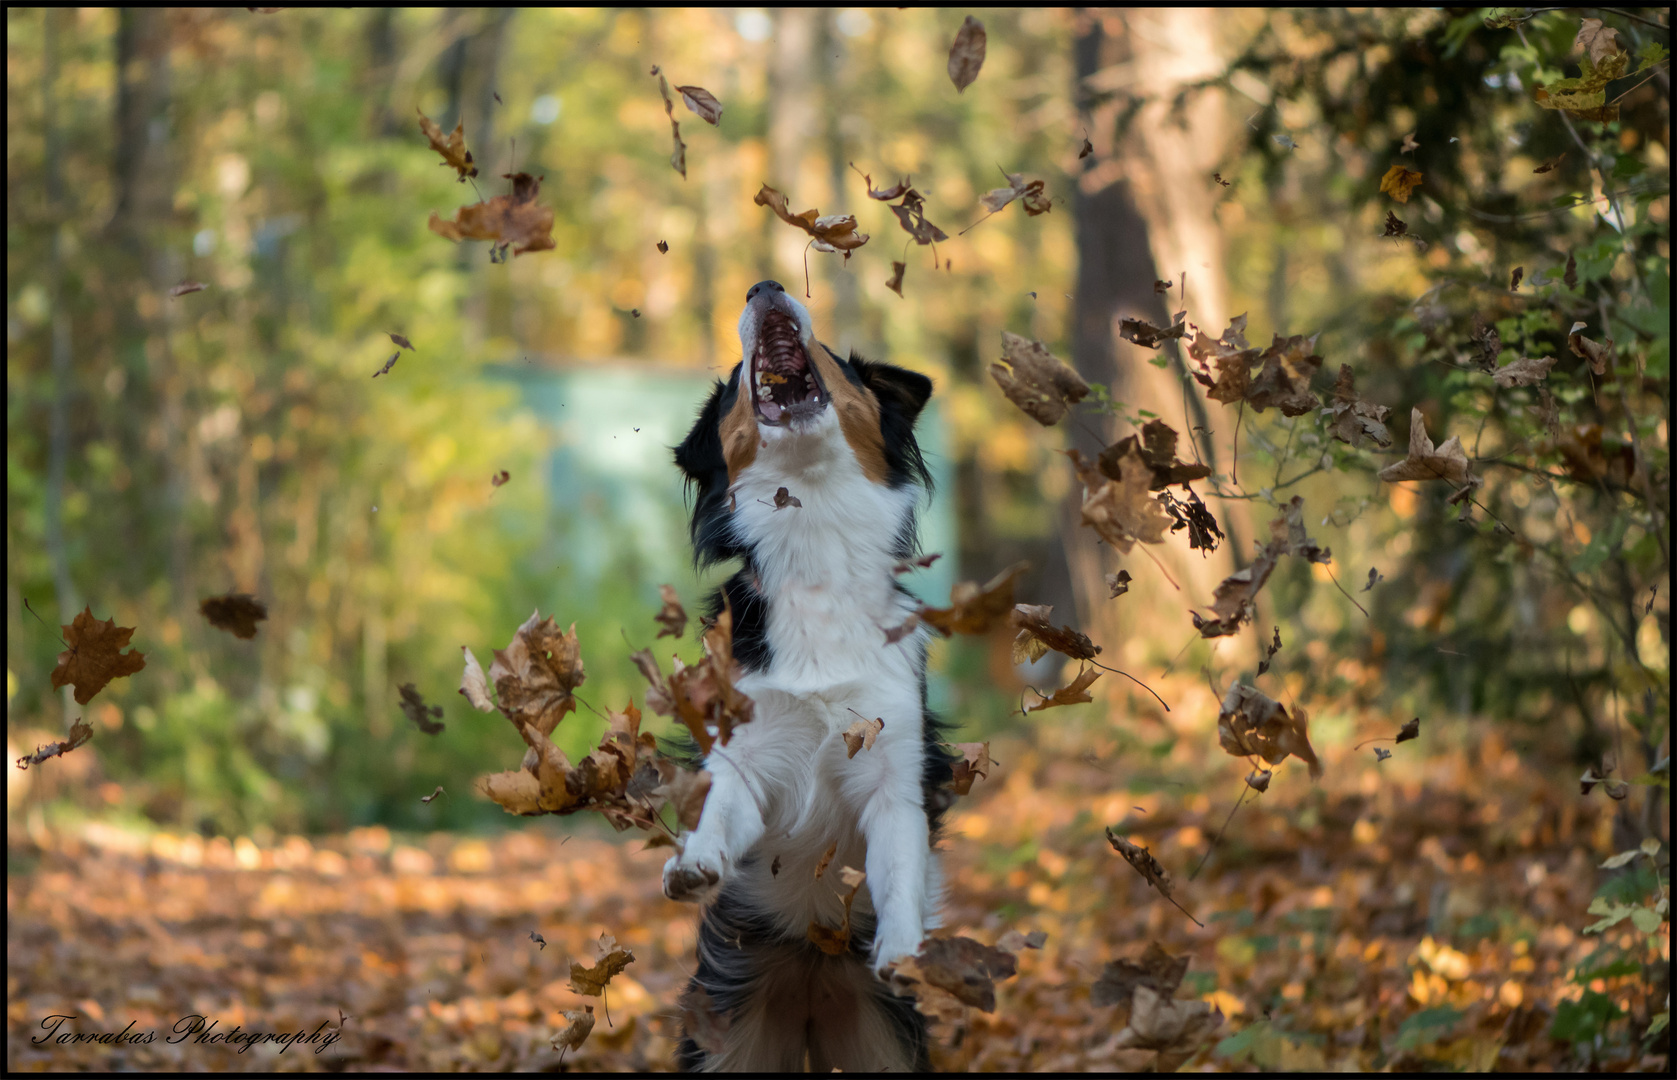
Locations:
{"points": [[1233, 357], [1375, 577], [826, 860], [474, 687], [1409, 144], [1219, 178], [1395, 226], [896, 191], [774, 867], [402, 342], [895, 284], [975, 763], [1570, 278], [515, 219], [1030, 195], [1523, 372], [1258, 780], [1119, 583], [1176, 1029], [894, 634], [1270, 651], [922, 561], [95, 655], [1600, 356], [1585, 97], [966, 54], [1075, 692], [683, 790], [499, 478], [1122, 511], [672, 616], [536, 673], [1251, 723], [538, 939], [1157, 970], [1487, 341], [911, 214], [415, 709], [702, 697], [965, 968], [702, 1020], [837, 942], [1381, 754], [80, 732], [187, 287], [1036, 380], [1424, 462], [1399, 182], [678, 157], [1087, 149], [975, 609], [388, 364], [1600, 42], [1285, 141], [1147, 335], [611, 960], [784, 498], [1037, 635], [1142, 860], [1410, 730], [1284, 381], [663, 247], [1514, 279], [236, 613], [426, 799], [1551, 164], [861, 734], [1013, 940], [835, 232], [702, 102], [576, 1032], [1351, 419], [1157, 447], [452, 148]]}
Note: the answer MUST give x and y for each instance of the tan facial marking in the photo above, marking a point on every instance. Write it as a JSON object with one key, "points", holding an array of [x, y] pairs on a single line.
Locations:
{"points": [[739, 430], [858, 414]]}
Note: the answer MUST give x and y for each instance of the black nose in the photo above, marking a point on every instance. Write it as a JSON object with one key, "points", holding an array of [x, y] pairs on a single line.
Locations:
{"points": [[760, 286]]}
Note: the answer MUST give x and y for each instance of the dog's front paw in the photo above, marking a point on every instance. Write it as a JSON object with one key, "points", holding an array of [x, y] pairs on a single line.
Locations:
{"points": [[691, 877]]}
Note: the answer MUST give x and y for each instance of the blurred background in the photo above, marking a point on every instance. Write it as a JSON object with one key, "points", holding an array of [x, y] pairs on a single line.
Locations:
{"points": [[162, 449]]}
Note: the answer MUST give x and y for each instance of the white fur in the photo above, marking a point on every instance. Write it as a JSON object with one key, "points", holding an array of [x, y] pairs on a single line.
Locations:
{"points": [[784, 788]]}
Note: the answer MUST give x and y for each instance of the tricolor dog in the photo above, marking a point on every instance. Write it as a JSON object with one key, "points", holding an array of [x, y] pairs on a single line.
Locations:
{"points": [[810, 606]]}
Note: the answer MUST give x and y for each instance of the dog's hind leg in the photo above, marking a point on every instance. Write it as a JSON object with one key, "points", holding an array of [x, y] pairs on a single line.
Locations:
{"points": [[857, 1025]]}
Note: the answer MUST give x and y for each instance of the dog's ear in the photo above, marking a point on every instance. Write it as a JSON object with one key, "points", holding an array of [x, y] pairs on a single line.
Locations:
{"points": [[895, 387]]}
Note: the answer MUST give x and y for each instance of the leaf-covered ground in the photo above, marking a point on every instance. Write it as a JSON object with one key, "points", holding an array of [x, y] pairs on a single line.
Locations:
{"points": [[1423, 913]]}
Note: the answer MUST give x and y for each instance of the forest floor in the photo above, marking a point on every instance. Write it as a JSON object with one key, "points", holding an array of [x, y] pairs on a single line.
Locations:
{"points": [[1420, 915]]}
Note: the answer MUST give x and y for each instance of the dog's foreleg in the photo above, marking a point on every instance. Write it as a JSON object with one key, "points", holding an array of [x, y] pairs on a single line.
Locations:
{"points": [[893, 821], [731, 822]]}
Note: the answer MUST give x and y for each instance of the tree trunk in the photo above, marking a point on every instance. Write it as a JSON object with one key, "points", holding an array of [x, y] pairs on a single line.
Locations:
{"points": [[792, 114]]}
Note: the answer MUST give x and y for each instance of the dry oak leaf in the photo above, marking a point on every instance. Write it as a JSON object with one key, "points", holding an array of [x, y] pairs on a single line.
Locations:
{"points": [[95, 655], [1233, 602], [1122, 511], [1523, 372], [965, 968], [702, 102], [576, 1033], [1157, 970], [895, 283], [1350, 419], [1284, 381], [1119, 583], [1030, 195], [536, 673], [1037, 635], [1600, 42], [1287, 534], [1157, 446], [678, 156], [684, 790], [911, 214], [975, 762], [1142, 861], [187, 287], [1075, 692], [784, 498], [1425, 462], [1250, 723], [975, 609], [1176, 1029], [236, 613], [837, 942], [703, 1021], [1600, 356], [1399, 182], [1036, 380], [896, 191], [80, 733], [423, 715], [672, 616], [1410, 730], [702, 697], [474, 686], [834, 232], [1233, 357], [515, 219], [860, 735], [966, 53], [592, 981], [452, 147], [402, 342], [1148, 336], [1395, 226]]}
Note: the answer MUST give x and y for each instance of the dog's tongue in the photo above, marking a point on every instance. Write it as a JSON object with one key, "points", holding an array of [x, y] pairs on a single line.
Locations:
{"points": [[771, 411]]}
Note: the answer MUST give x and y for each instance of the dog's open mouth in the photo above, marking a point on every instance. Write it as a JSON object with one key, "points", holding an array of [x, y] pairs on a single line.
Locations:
{"points": [[784, 382]]}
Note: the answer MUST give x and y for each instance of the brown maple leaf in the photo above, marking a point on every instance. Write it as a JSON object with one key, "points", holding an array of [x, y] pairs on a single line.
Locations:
{"points": [[452, 147], [683, 790], [1037, 635], [515, 219], [576, 1032], [1599, 356], [1251, 723], [1525, 371], [784, 498], [1157, 446], [911, 214], [702, 102], [1157, 970], [80, 733], [1122, 511], [834, 232], [975, 609], [1175, 1029], [536, 673], [974, 763], [1350, 418], [1410, 730], [860, 735], [415, 709], [1425, 462], [236, 613], [1601, 42], [1284, 381], [1147, 335], [610, 961], [1399, 182], [1036, 380], [966, 53], [95, 655], [1030, 195], [702, 697], [1233, 357], [1075, 692]]}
